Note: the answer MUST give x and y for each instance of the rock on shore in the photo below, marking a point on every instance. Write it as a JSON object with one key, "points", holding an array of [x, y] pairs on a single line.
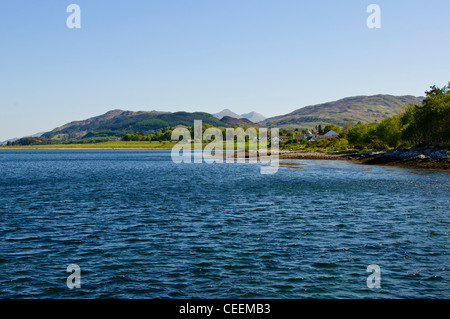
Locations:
{"points": [[430, 158], [414, 157]]}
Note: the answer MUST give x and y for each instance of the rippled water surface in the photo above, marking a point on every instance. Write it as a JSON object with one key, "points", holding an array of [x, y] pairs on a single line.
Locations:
{"points": [[140, 226]]}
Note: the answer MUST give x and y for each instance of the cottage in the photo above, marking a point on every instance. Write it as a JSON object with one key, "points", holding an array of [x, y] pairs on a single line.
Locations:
{"points": [[324, 137], [331, 133]]}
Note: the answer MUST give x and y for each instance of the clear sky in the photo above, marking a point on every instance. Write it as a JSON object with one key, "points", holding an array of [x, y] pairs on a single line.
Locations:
{"points": [[269, 56]]}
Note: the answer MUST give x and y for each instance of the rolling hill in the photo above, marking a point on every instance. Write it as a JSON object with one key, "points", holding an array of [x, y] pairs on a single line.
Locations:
{"points": [[364, 109], [117, 123], [241, 122]]}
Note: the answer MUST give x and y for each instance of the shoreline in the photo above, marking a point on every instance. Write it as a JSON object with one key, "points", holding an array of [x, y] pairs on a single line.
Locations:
{"points": [[381, 158], [398, 158]]}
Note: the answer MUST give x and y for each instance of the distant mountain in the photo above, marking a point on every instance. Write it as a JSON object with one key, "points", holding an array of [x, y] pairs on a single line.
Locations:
{"points": [[18, 138], [255, 117], [231, 121], [117, 123], [365, 109], [226, 112]]}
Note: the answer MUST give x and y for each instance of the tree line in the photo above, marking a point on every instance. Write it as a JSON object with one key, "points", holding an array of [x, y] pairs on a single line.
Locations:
{"points": [[31, 141], [426, 124], [166, 134]]}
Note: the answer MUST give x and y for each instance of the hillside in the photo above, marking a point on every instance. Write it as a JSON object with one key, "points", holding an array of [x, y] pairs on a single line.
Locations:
{"points": [[364, 109], [117, 123], [242, 122]]}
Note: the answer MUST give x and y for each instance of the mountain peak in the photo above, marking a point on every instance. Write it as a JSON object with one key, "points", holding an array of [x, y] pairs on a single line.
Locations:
{"points": [[226, 112], [255, 117]]}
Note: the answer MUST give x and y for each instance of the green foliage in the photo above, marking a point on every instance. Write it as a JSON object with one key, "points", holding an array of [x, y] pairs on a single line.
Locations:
{"points": [[332, 127], [335, 144], [429, 123], [91, 140], [426, 124], [320, 130], [163, 135], [362, 134], [137, 137], [388, 132], [346, 128], [31, 141]]}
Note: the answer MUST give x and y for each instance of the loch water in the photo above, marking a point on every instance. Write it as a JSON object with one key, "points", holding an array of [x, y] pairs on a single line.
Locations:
{"points": [[140, 226]]}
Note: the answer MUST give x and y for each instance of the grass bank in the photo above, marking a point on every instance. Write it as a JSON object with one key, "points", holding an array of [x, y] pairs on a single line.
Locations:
{"points": [[116, 145], [103, 145]]}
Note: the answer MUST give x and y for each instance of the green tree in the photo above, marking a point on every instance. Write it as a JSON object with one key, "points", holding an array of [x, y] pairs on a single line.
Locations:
{"points": [[362, 134], [333, 127], [388, 131], [127, 137], [346, 128], [410, 130], [429, 124]]}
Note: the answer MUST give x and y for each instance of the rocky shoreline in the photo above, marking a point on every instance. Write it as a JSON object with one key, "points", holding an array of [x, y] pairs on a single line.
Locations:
{"points": [[426, 158]]}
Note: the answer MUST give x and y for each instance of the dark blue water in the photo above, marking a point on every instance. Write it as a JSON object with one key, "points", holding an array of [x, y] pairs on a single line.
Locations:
{"points": [[140, 226]]}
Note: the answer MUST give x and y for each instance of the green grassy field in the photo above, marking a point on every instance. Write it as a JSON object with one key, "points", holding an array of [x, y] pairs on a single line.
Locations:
{"points": [[105, 145]]}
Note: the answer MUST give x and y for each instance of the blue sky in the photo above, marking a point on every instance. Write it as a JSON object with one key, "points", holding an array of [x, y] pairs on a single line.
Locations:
{"points": [[206, 55]]}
